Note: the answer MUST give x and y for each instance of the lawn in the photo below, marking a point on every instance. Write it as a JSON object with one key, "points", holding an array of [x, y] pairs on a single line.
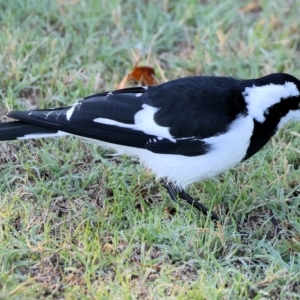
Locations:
{"points": [[78, 223]]}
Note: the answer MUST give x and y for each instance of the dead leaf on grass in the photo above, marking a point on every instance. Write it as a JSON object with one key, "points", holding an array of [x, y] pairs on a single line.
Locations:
{"points": [[143, 75]]}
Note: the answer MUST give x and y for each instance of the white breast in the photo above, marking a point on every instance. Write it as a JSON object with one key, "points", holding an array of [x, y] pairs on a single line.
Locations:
{"points": [[227, 150]]}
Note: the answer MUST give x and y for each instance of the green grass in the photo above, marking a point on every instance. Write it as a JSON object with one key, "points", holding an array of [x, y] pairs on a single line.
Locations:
{"points": [[78, 224]]}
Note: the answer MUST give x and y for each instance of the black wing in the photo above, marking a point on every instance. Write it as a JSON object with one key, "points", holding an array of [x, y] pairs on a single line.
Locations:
{"points": [[188, 109], [186, 147]]}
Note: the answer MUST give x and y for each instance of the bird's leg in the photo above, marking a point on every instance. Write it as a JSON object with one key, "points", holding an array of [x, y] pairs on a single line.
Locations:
{"points": [[173, 192], [274, 222]]}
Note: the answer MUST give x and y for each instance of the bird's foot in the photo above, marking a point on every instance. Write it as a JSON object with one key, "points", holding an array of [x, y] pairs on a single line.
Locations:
{"points": [[175, 192]]}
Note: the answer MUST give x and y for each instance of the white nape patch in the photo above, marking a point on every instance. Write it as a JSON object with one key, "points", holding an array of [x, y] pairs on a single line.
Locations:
{"points": [[260, 98], [138, 95], [145, 87], [42, 135], [70, 111], [143, 121], [292, 115], [227, 150]]}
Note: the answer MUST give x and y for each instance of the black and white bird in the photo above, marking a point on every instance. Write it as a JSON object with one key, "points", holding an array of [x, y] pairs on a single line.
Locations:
{"points": [[185, 130]]}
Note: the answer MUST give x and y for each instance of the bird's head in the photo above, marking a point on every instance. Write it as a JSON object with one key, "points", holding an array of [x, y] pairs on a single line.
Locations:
{"points": [[274, 98]]}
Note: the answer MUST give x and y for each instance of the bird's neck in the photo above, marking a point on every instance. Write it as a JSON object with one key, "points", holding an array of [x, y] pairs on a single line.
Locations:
{"points": [[262, 133]]}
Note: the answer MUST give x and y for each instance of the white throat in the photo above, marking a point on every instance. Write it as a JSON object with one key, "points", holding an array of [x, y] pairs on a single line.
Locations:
{"points": [[293, 115]]}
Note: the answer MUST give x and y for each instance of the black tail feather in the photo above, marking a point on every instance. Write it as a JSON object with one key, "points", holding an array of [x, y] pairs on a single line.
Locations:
{"points": [[18, 130]]}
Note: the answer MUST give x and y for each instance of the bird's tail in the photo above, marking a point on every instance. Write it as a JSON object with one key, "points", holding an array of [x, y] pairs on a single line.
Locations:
{"points": [[18, 130]]}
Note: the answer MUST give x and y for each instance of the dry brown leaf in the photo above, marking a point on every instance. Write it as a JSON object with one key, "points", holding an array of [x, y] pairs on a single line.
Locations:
{"points": [[143, 75]]}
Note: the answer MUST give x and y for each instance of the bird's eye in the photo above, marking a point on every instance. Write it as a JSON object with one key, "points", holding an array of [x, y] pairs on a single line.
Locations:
{"points": [[299, 104]]}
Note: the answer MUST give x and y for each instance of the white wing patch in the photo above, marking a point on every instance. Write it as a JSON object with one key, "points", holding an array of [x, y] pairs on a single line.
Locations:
{"points": [[260, 98], [42, 135], [143, 121], [70, 111]]}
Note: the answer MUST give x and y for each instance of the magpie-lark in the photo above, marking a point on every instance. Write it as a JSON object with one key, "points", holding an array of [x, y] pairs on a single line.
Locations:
{"points": [[185, 130]]}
